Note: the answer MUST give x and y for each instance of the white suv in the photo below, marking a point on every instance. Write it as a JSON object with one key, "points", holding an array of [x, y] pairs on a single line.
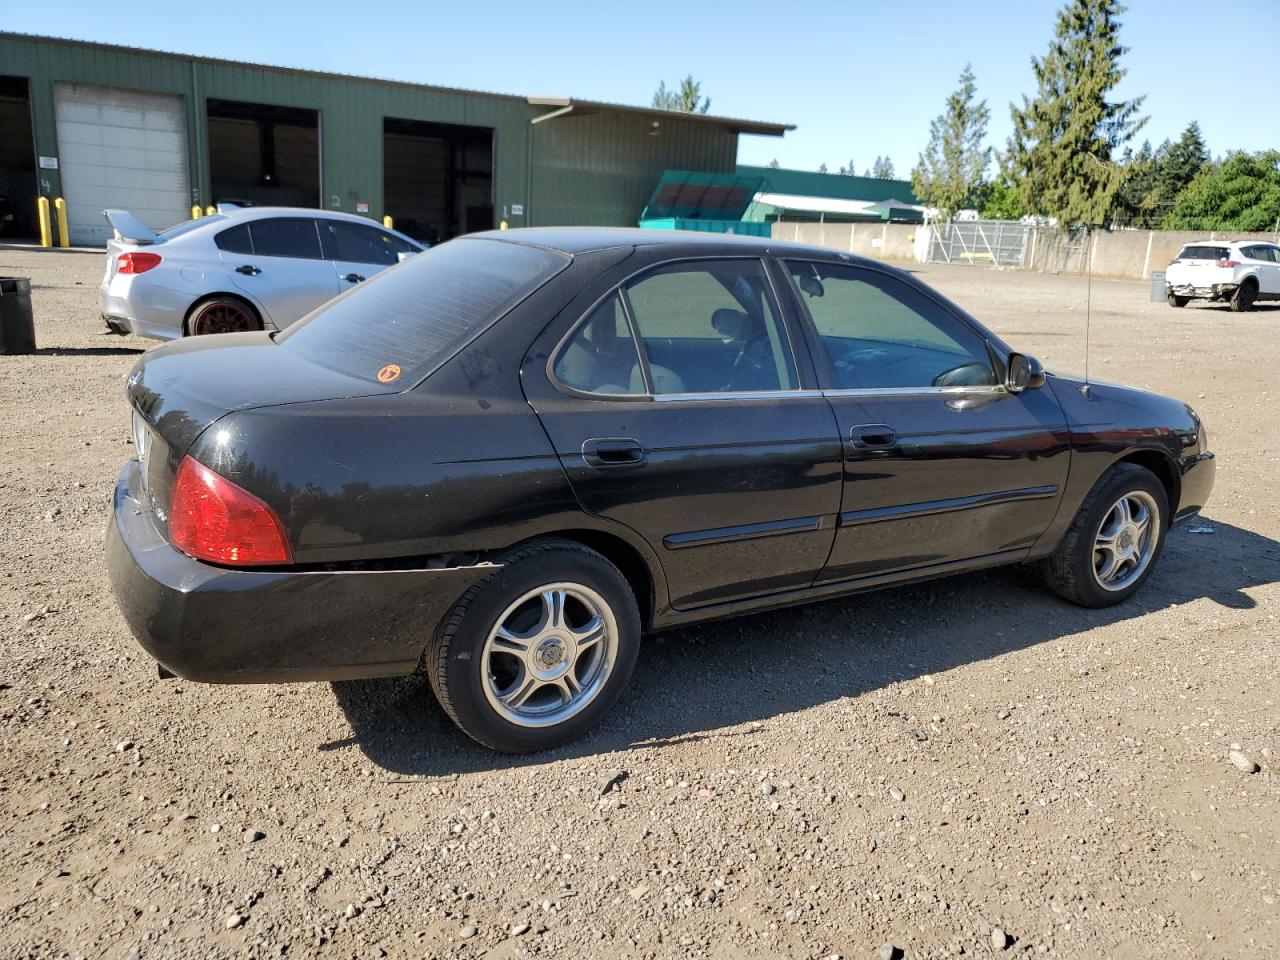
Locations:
{"points": [[1239, 271]]}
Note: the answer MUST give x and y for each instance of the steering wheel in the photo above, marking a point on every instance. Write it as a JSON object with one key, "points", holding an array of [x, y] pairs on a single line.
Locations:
{"points": [[750, 360]]}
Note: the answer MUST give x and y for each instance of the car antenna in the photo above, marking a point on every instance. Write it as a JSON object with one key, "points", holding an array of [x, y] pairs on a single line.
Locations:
{"points": [[1088, 303]]}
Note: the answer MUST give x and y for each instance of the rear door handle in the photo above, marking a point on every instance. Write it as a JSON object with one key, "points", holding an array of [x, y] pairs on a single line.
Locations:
{"points": [[873, 435], [248, 269], [353, 278], [613, 452]]}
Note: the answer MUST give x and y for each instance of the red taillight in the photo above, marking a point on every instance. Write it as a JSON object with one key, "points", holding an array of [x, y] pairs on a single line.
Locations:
{"points": [[137, 262], [210, 518], [1228, 263]]}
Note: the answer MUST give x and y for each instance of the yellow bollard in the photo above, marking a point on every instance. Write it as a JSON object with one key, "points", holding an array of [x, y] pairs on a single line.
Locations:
{"points": [[503, 225], [46, 229], [60, 209], [210, 210], [196, 211], [388, 222]]}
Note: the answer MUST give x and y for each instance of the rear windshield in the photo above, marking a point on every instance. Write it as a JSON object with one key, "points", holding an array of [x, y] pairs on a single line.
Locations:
{"points": [[186, 226], [1203, 253], [401, 325]]}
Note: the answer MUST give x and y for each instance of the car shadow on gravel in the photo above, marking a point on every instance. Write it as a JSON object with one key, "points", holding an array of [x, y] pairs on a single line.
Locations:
{"points": [[705, 681]]}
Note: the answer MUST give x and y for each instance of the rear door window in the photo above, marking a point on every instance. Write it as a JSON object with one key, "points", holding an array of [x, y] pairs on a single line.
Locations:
{"points": [[401, 325], [294, 237], [601, 355], [711, 326]]}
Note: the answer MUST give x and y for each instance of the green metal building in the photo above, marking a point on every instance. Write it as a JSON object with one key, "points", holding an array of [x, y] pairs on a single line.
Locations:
{"points": [[156, 133]]}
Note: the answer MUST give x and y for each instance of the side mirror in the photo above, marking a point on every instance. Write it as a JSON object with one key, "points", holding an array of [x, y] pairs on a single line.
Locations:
{"points": [[1023, 373]]}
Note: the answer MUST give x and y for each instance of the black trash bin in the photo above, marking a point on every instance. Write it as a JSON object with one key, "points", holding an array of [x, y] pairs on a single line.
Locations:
{"points": [[17, 325]]}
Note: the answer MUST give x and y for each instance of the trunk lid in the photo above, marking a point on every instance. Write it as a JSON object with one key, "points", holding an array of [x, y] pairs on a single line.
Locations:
{"points": [[1197, 265], [179, 390]]}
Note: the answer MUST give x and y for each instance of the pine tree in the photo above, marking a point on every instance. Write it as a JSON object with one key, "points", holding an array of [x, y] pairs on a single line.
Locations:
{"points": [[1064, 142], [688, 99], [822, 168], [773, 164], [952, 166], [882, 169], [1133, 200], [848, 170], [1177, 165], [1241, 193]]}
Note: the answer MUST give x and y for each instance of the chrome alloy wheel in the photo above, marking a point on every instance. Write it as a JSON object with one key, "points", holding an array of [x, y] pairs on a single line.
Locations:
{"points": [[1126, 540], [549, 654]]}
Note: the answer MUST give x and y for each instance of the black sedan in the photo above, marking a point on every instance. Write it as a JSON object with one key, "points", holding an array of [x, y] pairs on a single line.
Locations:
{"points": [[504, 461]]}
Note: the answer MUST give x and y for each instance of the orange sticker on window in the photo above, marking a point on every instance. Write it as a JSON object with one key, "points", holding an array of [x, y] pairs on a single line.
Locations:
{"points": [[389, 374]]}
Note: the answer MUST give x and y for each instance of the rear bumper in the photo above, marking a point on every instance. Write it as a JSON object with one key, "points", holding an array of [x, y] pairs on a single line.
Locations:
{"points": [[1218, 291], [216, 625], [127, 306]]}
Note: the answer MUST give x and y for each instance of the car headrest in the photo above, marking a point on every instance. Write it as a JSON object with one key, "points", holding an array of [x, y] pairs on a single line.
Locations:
{"points": [[731, 324], [664, 380]]}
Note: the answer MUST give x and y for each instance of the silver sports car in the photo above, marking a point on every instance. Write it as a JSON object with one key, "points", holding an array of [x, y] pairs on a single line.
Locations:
{"points": [[249, 268]]}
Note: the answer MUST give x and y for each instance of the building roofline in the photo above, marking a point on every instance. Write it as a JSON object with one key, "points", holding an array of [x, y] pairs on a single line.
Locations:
{"points": [[583, 106]]}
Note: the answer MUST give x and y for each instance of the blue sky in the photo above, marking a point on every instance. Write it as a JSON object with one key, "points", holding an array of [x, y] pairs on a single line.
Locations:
{"points": [[858, 79]]}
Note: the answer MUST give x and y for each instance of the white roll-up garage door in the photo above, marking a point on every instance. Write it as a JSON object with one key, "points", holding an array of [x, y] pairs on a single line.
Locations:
{"points": [[121, 148]]}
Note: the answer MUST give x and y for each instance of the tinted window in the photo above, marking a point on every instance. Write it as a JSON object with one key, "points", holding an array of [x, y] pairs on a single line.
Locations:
{"points": [[880, 332], [235, 240], [405, 322], [286, 237], [601, 355], [1203, 253], [711, 327], [360, 244]]}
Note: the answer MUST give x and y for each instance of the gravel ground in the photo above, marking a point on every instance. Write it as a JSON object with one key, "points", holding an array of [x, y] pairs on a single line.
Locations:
{"points": [[964, 767]]}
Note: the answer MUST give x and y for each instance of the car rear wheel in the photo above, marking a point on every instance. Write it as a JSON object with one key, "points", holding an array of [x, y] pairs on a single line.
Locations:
{"points": [[538, 652], [1176, 301], [1114, 542], [1244, 297], [222, 315]]}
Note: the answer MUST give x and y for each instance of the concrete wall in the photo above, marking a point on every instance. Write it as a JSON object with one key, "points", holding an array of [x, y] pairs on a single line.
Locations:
{"points": [[1118, 254], [884, 241]]}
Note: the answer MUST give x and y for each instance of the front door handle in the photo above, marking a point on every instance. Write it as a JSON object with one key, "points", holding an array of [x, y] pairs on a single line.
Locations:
{"points": [[613, 452], [873, 435], [353, 278], [248, 269]]}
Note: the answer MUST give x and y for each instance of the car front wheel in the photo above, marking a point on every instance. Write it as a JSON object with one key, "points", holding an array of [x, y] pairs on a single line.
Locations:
{"points": [[538, 652], [1115, 540]]}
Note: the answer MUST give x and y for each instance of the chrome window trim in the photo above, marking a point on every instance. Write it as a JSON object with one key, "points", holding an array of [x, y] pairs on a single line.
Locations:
{"points": [[976, 391], [737, 395]]}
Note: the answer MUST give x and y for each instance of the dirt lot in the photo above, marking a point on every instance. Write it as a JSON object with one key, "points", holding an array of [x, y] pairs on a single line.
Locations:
{"points": [[915, 767]]}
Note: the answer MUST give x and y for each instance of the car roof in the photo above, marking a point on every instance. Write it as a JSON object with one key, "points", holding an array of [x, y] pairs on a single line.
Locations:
{"points": [[234, 214], [574, 240]]}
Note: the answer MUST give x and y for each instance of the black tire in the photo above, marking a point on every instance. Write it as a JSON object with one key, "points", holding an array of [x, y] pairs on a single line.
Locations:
{"points": [[1176, 301], [1244, 297], [456, 666], [222, 313], [1069, 570]]}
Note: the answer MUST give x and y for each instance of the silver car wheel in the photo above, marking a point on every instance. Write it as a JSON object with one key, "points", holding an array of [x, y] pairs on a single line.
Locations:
{"points": [[549, 654], [1126, 540]]}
